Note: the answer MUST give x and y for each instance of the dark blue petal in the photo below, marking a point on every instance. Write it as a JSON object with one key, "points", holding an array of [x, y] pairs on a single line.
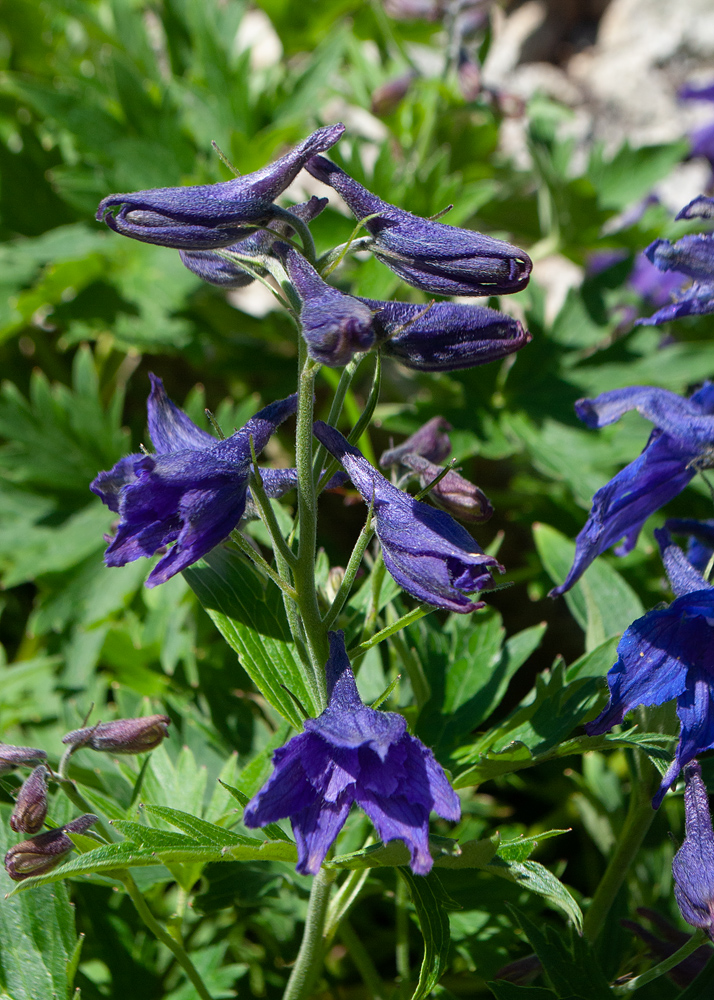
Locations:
{"points": [[316, 829], [654, 655], [700, 207], [108, 485], [396, 818], [683, 577], [701, 542], [169, 427], [444, 260], [697, 300], [210, 216], [288, 789], [693, 255], [686, 419], [694, 708], [427, 552]]}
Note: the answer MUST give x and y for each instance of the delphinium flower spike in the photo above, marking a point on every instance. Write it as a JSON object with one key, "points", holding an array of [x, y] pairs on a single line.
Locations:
{"points": [[666, 654], [682, 438], [208, 216], [693, 864], [429, 554], [445, 336], [352, 753], [437, 258], [192, 492]]}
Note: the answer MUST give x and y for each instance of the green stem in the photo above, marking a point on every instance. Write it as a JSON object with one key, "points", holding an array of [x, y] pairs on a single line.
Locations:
{"points": [[355, 561], [304, 569], [158, 931], [270, 520], [401, 902], [695, 941], [338, 400], [361, 958], [309, 960], [76, 798], [256, 558], [412, 616], [302, 229], [639, 818], [344, 899]]}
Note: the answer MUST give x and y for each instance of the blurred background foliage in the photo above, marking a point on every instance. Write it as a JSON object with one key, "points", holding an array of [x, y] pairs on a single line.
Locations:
{"points": [[99, 96]]}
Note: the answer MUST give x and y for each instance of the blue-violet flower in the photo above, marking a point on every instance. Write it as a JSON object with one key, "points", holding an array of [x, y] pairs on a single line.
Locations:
{"points": [[683, 439], [208, 216], [666, 654], [431, 556], [352, 753], [191, 492], [437, 258]]}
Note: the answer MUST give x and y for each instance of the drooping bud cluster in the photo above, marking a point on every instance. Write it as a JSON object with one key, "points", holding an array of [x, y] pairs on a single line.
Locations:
{"points": [[44, 851]]}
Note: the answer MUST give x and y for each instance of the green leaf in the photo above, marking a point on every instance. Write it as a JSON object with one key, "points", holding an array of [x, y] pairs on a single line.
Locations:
{"points": [[428, 897], [249, 613], [39, 948], [569, 961], [521, 849], [538, 879], [201, 830], [632, 173], [272, 830], [601, 601]]}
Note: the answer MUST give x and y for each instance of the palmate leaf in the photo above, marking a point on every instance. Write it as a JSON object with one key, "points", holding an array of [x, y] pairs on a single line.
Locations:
{"points": [[249, 613]]}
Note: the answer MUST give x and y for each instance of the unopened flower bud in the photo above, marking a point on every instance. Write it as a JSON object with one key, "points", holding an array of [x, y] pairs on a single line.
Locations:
{"points": [[431, 441], [453, 493], [12, 757], [31, 805], [387, 98], [122, 736], [334, 582], [693, 865], [42, 853]]}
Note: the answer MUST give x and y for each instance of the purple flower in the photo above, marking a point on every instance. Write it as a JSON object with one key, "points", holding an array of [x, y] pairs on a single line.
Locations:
{"points": [[431, 441], [192, 492], [440, 259], [693, 864], [352, 753], [445, 336], [216, 270], [666, 654], [431, 556], [692, 92], [693, 256], [44, 852], [207, 216], [683, 435], [334, 325]]}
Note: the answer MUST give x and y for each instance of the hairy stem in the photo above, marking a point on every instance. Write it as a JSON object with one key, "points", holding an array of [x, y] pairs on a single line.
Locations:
{"points": [[162, 935], [309, 960], [695, 942]]}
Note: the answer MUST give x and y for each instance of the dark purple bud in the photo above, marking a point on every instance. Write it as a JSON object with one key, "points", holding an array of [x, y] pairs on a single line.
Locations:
{"points": [[522, 971], [469, 75], [430, 441], [693, 865], [208, 216], [691, 92], [387, 98], [12, 757], [216, 270], [334, 325], [445, 336], [454, 494], [122, 736], [44, 852], [440, 259], [31, 805]]}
